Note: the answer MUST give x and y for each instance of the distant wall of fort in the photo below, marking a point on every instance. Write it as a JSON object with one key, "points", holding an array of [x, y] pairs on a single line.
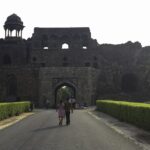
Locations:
{"points": [[34, 68]]}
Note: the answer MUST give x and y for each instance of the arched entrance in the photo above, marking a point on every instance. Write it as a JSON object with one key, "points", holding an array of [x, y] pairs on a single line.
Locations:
{"points": [[64, 91]]}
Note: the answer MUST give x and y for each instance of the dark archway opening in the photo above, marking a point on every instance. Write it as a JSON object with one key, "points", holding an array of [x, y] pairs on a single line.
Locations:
{"points": [[64, 92], [129, 83]]}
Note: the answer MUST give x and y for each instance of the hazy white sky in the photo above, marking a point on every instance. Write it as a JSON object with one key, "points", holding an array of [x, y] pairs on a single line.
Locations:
{"points": [[110, 21]]}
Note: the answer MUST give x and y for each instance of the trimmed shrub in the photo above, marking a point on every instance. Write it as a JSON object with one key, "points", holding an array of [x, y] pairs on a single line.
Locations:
{"points": [[12, 109], [131, 112]]}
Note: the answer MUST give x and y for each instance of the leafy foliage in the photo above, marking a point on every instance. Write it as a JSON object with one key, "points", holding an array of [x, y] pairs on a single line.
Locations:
{"points": [[64, 93], [131, 112], [12, 109]]}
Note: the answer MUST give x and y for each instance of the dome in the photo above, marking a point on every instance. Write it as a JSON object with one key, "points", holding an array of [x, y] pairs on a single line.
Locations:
{"points": [[13, 22]]}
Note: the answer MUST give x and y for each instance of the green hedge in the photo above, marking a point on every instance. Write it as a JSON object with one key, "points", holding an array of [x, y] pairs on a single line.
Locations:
{"points": [[13, 108], [131, 112]]}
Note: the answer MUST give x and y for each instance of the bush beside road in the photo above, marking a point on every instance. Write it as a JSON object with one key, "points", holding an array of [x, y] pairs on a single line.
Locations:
{"points": [[13, 109], [131, 112]]}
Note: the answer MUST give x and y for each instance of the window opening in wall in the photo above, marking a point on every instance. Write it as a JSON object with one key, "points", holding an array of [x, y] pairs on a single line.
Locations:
{"points": [[45, 47], [65, 46], [84, 47]]}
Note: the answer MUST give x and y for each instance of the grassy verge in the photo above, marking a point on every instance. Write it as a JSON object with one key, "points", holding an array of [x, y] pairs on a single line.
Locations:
{"points": [[131, 112]]}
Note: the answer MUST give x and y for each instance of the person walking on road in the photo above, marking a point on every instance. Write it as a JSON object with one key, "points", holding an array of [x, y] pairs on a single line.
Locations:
{"points": [[61, 112], [68, 107]]}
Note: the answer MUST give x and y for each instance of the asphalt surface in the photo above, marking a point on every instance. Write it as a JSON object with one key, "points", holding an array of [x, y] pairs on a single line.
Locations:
{"points": [[42, 132]]}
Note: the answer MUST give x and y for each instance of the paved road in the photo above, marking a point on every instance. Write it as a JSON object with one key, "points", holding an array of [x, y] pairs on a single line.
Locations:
{"points": [[41, 132]]}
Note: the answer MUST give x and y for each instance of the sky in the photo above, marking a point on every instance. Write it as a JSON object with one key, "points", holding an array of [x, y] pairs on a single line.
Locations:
{"points": [[110, 21]]}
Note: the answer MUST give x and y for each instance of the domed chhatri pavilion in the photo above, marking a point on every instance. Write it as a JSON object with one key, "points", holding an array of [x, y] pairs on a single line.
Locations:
{"points": [[12, 23], [35, 69]]}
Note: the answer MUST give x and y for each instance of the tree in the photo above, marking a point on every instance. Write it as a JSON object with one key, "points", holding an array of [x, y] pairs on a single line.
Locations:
{"points": [[64, 93]]}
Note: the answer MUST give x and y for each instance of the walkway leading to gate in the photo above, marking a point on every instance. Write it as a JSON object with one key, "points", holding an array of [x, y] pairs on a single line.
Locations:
{"points": [[41, 132]]}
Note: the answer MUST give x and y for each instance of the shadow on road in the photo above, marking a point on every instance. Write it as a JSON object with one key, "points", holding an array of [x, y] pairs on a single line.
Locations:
{"points": [[49, 128]]}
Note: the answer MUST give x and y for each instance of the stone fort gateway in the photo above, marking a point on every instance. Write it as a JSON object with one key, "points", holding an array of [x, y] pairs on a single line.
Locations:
{"points": [[36, 68]]}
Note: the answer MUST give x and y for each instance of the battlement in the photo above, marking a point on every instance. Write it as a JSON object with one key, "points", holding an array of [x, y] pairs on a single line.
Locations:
{"points": [[70, 32], [54, 38]]}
